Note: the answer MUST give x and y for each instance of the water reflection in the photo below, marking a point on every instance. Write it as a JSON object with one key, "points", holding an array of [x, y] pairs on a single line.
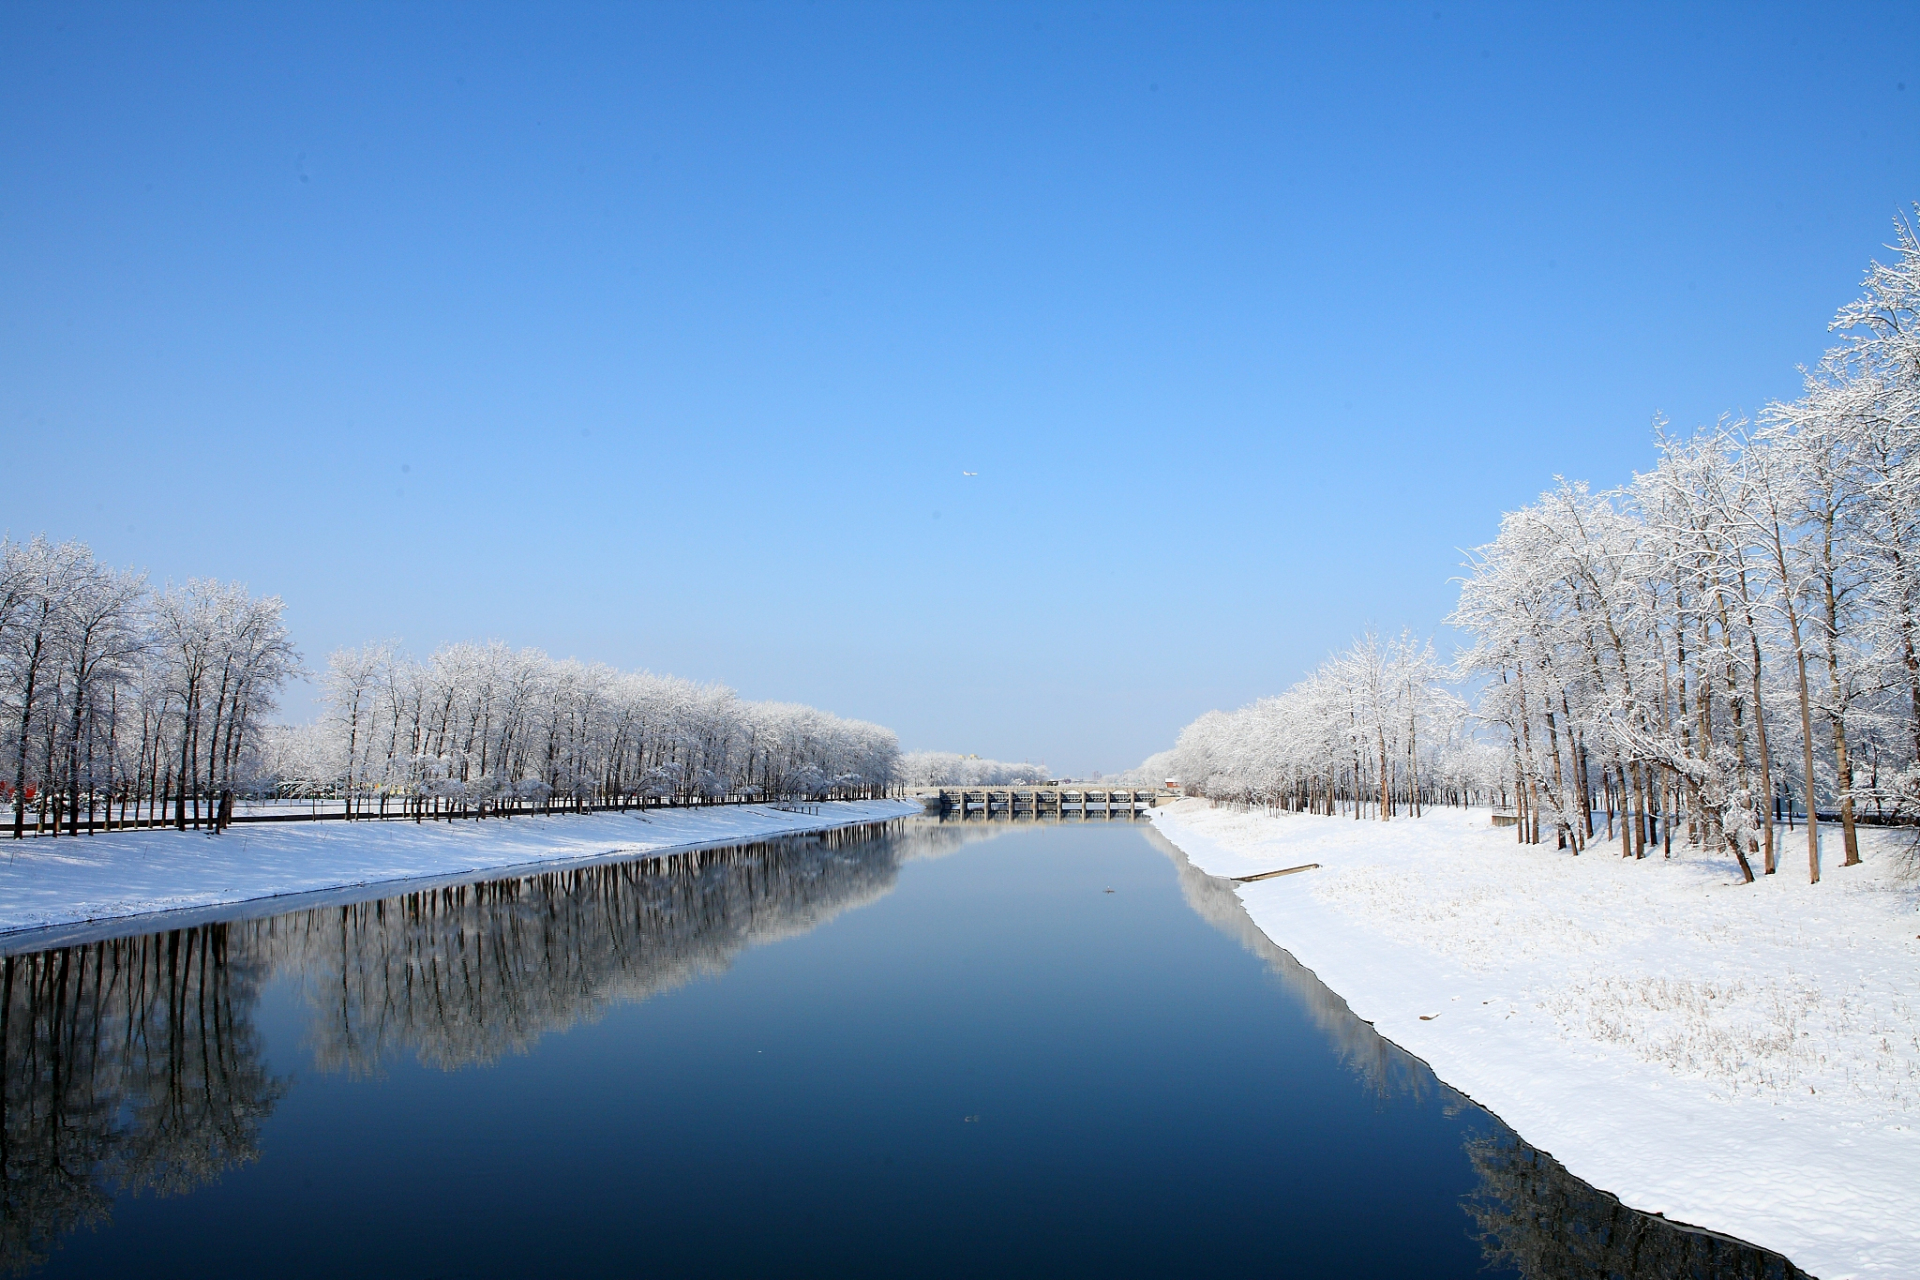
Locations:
{"points": [[1539, 1220], [133, 1064], [1384, 1067], [460, 976], [129, 1065], [1533, 1217]]}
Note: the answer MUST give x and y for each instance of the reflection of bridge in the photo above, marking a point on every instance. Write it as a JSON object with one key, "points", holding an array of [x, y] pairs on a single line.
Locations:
{"points": [[1045, 801]]}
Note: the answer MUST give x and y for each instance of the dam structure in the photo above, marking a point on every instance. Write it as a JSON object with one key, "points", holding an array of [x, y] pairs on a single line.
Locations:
{"points": [[1045, 800]]}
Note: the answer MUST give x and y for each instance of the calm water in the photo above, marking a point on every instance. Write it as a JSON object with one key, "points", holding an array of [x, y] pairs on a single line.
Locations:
{"points": [[923, 1049]]}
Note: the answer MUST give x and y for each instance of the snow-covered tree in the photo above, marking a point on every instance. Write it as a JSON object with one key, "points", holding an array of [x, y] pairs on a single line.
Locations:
{"points": [[1373, 732], [114, 695], [1734, 632], [948, 769], [482, 729]]}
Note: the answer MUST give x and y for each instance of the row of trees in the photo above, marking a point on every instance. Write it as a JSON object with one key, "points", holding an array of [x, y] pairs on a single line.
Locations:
{"points": [[1374, 732], [946, 769], [478, 729], [1733, 635], [123, 704], [1736, 628]]}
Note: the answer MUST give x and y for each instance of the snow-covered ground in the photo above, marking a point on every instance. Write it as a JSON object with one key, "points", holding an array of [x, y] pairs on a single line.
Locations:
{"points": [[1741, 1058], [53, 882]]}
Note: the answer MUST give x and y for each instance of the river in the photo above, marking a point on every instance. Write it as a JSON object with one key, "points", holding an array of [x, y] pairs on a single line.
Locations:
{"points": [[944, 1049]]}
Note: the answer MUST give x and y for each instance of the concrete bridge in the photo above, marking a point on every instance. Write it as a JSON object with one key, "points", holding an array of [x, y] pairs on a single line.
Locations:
{"points": [[1045, 801]]}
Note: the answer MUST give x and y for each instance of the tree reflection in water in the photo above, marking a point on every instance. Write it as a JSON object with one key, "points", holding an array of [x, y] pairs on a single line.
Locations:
{"points": [[1532, 1216], [132, 1065], [1540, 1220], [460, 976], [129, 1065]]}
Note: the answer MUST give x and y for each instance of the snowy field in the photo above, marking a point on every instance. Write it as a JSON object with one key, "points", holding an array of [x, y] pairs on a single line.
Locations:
{"points": [[1741, 1058], [54, 882]]}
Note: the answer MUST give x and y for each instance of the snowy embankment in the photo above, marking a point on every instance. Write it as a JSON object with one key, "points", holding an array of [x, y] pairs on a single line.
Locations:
{"points": [[52, 882], [1744, 1058]]}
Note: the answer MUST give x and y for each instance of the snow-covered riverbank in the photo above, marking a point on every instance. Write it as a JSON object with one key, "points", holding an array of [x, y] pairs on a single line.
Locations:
{"points": [[1742, 1058], [46, 882]]}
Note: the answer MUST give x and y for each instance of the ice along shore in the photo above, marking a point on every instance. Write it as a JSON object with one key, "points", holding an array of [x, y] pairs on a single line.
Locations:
{"points": [[53, 890], [1740, 1058]]}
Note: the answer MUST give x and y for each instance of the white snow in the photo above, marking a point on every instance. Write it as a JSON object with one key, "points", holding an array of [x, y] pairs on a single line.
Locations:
{"points": [[1744, 1058], [49, 882]]}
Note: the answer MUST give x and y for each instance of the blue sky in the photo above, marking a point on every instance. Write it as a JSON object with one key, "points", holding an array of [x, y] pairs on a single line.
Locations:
{"points": [[662, 335]]}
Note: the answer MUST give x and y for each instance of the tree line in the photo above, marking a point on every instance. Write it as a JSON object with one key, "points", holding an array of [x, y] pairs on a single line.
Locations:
{"points": [[1733, 631], [948, 769], [1373, 732], [1728, 640], [123, 704], [488, 729]]}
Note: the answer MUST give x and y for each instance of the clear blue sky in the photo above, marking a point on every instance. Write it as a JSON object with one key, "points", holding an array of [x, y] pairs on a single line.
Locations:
{"points": [[662, 335]]}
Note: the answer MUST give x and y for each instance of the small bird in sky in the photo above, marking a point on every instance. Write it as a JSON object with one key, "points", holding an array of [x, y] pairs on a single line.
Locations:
{"points": [[969, 473]]}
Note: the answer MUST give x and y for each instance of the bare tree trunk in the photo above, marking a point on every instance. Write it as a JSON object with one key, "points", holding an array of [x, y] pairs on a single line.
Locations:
{"points": [[1385, 802], [1559, 781], [1843, 765], [186, 760], [1760, 731], [1777, 545], [26, 725]]}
